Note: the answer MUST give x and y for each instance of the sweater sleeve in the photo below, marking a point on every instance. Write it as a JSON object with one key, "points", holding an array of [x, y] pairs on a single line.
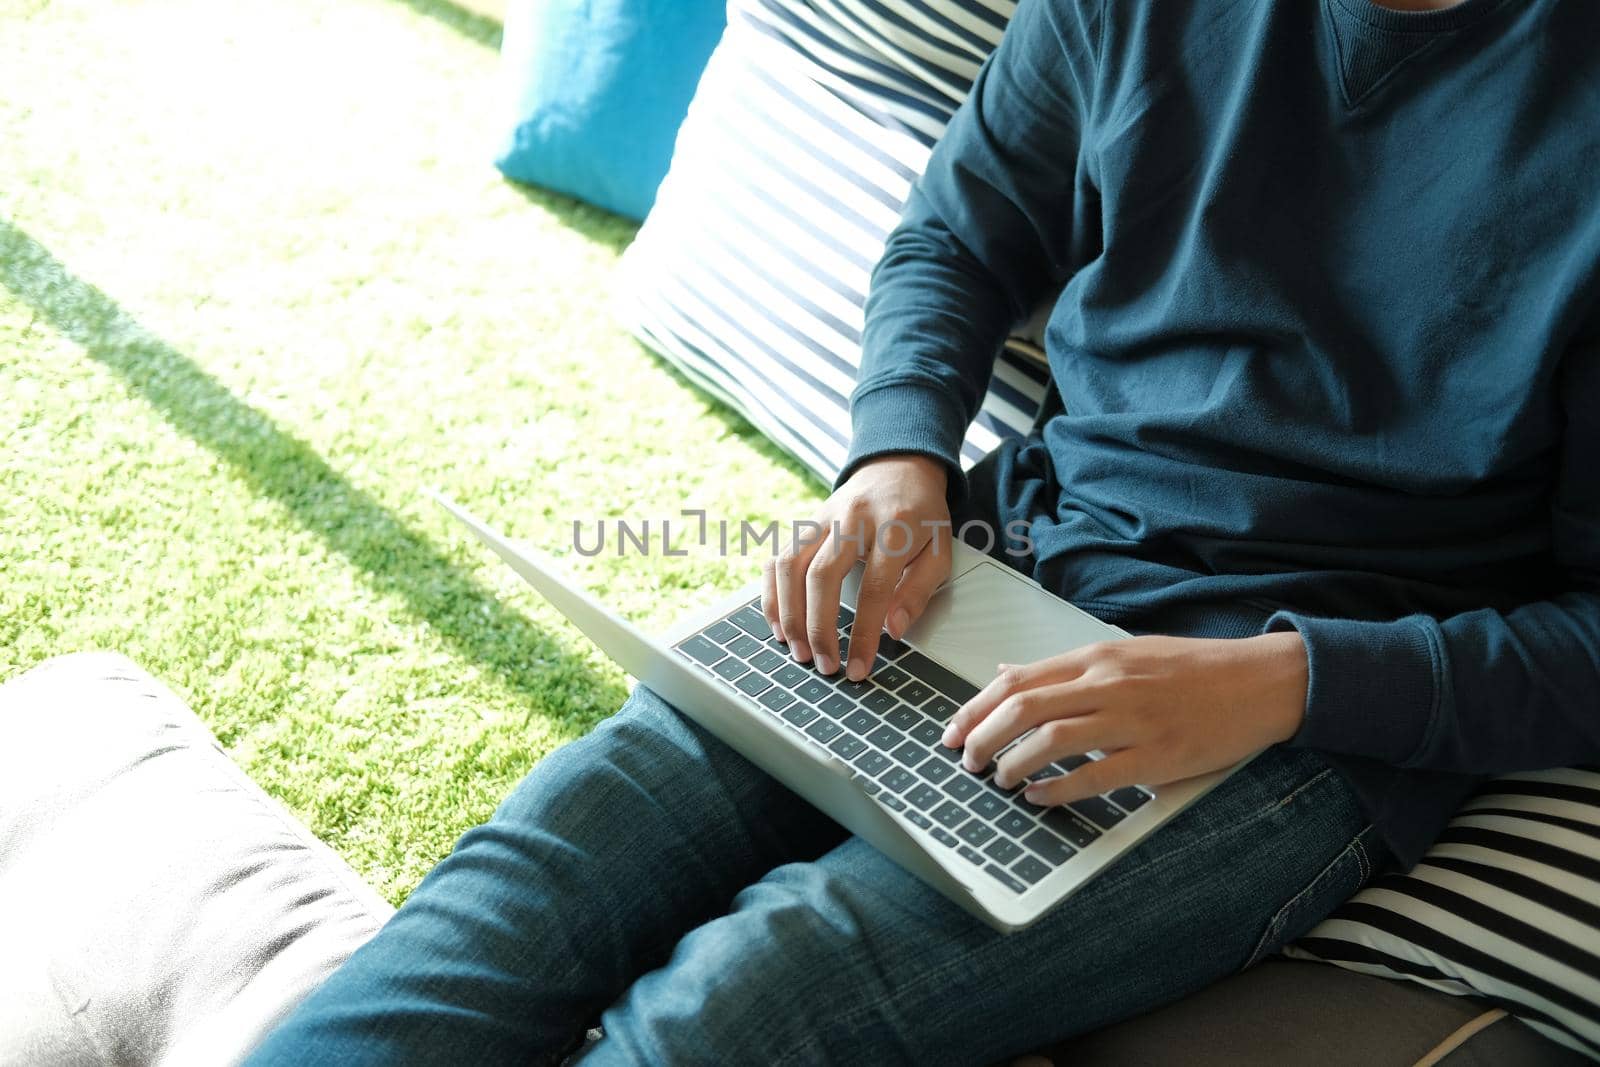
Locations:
{"points": [[1483, 692], [986, 233]]}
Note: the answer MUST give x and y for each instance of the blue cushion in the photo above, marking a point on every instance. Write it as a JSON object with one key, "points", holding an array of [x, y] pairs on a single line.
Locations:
{"points": [[598, 90]]}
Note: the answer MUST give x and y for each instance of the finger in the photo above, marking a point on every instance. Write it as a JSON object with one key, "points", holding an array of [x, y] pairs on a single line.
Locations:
{"points": [[1011, 680], [823, 578], [878, 583], [1055, 740], [769, 598], [1130, 766], [790, 570], [1019, 713], [920, 581]]}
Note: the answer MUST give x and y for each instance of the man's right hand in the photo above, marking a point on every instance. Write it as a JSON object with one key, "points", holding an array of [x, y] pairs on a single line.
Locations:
{"points": [[892, 514]]}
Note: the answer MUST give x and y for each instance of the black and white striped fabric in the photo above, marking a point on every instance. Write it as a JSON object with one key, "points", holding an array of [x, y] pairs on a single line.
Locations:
{"points": [[1505, 906], [809, 125]]}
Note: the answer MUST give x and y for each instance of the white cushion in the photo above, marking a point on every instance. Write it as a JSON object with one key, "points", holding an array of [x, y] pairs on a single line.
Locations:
{"points": [[155, 905], [809, 125], [1506, 905]]}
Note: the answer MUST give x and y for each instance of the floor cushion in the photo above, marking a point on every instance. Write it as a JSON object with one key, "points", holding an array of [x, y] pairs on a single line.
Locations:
{"points": [[811, 121], [1505, 905], [156, 907], [596, 90]]}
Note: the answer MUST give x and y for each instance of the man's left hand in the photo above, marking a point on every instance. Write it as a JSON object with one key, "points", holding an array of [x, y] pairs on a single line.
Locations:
{"points": [[1161, 708]]}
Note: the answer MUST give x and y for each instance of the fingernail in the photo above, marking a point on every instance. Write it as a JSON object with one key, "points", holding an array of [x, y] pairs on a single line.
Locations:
{"points": [[802, 652], [1034, 796], [950, 737], [898, 623], [825, 663], [858, 670], [777, 634]]}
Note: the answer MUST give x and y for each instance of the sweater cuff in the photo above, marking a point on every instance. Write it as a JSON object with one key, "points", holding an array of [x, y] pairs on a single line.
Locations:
{"points": [[1373, 687], [908, 418]]}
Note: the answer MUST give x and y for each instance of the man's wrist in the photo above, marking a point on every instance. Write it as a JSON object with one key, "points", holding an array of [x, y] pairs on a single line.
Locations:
{"points": [[1286, 674]]}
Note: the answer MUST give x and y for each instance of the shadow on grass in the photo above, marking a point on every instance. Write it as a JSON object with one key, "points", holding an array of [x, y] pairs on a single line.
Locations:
{"points": [[595, 223], [396, 560], [468, 23]]}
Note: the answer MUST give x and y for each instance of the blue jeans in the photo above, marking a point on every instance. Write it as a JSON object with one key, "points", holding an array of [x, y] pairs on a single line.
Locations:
{"points": [[652, 878]]}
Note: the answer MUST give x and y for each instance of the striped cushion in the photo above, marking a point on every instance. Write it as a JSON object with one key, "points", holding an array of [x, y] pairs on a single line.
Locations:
{"points": [[809, 125], [1506, 905]]}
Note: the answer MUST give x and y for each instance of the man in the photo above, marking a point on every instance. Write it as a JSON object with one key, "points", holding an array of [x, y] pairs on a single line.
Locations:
{"points": [[1329, 359]]}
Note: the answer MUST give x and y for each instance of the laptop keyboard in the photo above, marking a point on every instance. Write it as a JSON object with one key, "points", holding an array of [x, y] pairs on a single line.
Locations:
{"points": [[887, 728]]}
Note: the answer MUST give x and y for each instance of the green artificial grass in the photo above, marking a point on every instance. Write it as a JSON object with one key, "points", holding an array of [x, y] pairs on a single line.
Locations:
{"points": [[259, 289]]}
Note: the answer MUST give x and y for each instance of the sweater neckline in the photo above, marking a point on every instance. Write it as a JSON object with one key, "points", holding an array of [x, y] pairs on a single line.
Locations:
{"points": [[1443, 20]]}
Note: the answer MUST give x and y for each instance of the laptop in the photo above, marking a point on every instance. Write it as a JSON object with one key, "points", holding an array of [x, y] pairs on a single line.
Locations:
{"points": [[868, 753]]}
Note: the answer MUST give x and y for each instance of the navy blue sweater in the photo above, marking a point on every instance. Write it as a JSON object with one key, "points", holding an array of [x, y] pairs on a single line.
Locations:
{"points": [[1328, 348]]}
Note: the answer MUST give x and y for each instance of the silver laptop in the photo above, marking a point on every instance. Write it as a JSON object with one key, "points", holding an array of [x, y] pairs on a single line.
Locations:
{"points": [[868, 753]]}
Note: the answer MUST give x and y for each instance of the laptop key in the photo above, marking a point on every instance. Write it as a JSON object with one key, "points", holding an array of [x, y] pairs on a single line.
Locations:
{"points": [[730, 669], [935, 770], [824, 730], [899, 716], [879, 700], [987, 805], [1071, 763], [924, 796], [886, 737], [1006, 878], [909, 753], [860, 722], [847, 746], [813, 690], [945, 681], [776, 699], [949, 814], [753, 684], [846, 617], [1130, 797], [1030, 870], [1054, 850], [1003, 849], [1070, 826], [914, 693], [961, 787], [800, 714], [927, 731], [890, 677], [789, 675], [868, 786], [889, 648], [944, 837], [898, 780], [752, 622], [949, 755], [975, 832], [700, 649], [837, 705], [941, 708], [1099, 811], [873, 763], [892, 802], [918, 819], [744, 646], [855, 690], [766, 661], [722, 631], [971, 855], [1014, 823]]}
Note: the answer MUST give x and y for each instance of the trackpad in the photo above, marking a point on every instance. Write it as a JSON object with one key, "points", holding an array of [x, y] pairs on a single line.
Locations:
{"points": [[990, 616]]}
